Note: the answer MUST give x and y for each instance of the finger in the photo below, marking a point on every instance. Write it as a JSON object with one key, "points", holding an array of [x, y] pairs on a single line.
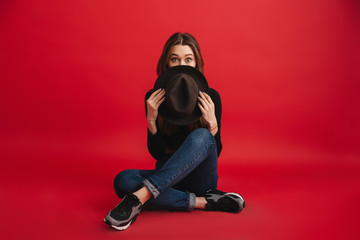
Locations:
{"points": [[203, 102], [201, 108], [208, 98], [203, 96], [160, 98], [153, 95], [159, 95], [160, 101], [153, 100], [155, 92], [160, 92]]}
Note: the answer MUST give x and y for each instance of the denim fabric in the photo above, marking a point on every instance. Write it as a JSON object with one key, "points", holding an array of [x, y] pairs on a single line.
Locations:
{"points": [[189, 172]]}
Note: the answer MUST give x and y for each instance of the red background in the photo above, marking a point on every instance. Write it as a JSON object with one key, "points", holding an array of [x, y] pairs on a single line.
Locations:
{"points": [[73, 79]]}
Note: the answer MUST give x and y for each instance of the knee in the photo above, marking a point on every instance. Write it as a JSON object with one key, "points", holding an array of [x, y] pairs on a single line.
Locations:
{"points": [[126, 182], [201, 137]]}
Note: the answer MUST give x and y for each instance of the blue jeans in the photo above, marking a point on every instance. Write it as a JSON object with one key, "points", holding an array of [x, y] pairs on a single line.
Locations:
{"points": [[189, 172]]}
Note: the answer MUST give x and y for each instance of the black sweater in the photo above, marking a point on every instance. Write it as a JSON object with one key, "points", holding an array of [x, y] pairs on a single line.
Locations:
{"points": [[159, 142]]}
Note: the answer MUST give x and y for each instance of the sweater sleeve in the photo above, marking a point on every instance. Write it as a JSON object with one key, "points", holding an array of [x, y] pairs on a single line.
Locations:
{"points": [[215, 96], [155, 143]]}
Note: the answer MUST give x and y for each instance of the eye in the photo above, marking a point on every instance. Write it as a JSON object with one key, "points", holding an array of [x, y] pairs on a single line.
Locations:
{"points": [[188, 59], [174, 60]]}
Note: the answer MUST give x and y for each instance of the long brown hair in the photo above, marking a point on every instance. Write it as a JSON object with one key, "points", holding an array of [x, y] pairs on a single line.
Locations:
{"points": [[179, 39]]}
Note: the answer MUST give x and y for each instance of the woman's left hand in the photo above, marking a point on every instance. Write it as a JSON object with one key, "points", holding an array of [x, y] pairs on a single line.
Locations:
{"points": [[207, 108]]}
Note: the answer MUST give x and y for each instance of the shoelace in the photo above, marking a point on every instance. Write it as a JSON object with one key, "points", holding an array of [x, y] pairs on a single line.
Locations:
{"points": [[125, 207], [215, 191]]}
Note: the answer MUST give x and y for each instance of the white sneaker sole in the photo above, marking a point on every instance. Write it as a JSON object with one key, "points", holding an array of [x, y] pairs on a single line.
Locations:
{"points": [[119, 228], [238, 196], [234, 194]]}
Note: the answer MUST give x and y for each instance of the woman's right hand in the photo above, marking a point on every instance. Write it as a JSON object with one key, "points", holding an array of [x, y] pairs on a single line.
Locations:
{"points": [[152, 105]]}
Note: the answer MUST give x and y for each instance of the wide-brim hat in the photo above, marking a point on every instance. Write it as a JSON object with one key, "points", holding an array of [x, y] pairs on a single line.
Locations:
{"points": [[182, 85]]}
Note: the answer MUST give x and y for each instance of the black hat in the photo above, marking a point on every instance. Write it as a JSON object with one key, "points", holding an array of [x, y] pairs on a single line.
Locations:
{"points": [[182, 85]]}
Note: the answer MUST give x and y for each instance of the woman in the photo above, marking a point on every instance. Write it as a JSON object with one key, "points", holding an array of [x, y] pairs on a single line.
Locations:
{"points": [[184, 122]]}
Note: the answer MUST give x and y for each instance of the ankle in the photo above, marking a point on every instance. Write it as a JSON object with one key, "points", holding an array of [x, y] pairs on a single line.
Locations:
{"points": [[200, 203], [143, 194]]}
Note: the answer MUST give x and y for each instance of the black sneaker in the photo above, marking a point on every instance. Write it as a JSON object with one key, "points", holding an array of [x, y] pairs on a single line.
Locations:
{"points": [[124, 214], [222, 201]]}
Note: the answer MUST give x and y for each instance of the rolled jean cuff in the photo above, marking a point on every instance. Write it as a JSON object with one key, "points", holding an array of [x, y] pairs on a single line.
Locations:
{"points": [[192, 201], [151, 188]]}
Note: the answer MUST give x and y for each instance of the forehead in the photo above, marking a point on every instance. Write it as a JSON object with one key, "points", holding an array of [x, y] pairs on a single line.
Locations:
{"points": [[181, 50]]}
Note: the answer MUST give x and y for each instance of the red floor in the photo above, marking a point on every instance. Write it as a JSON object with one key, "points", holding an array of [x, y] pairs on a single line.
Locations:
{"points": [[59, 196], [73, 75]]}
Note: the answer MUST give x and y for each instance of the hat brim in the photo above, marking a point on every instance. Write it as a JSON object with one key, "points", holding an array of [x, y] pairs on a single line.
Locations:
{"points": [[166, 115], [161, 82]]}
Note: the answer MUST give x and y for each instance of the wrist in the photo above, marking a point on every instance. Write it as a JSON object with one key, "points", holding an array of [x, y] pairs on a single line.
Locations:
{"points": [[151, 121], [151, 125], [212, 127]]}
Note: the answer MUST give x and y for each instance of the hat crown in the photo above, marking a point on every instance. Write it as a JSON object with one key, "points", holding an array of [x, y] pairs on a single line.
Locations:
{"points": [[182, 85], [181, 95]]}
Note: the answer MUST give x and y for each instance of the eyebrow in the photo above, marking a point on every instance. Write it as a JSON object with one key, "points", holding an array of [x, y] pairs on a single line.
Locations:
{"points": [[189, 54]]}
